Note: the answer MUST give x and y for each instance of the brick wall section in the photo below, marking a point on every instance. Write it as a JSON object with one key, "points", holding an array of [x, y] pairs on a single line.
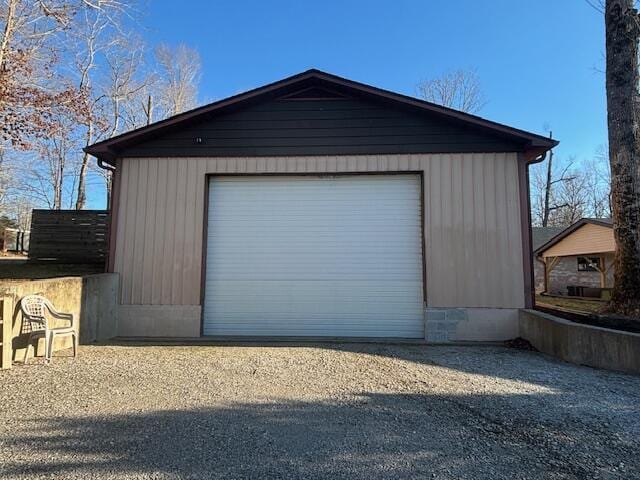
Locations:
{"points": [[566, 273]]}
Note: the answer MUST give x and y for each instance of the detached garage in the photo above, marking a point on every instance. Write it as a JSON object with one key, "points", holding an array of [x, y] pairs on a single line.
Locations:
{"points": [[321, 207]]}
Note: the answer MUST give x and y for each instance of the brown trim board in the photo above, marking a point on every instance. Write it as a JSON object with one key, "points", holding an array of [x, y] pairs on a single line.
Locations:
{"points": [[525, 225], [203, 260]]}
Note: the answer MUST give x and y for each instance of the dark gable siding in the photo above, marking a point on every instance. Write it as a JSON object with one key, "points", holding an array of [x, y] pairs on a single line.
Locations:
{"points": [[320, 127]]}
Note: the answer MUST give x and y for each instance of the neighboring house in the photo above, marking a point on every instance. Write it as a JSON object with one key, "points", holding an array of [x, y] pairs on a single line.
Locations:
{"points": [[316, 206], [579, 256], [540, 236]]}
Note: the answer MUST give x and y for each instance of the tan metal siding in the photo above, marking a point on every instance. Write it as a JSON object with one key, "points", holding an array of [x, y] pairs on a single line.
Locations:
{"points": [[589, 238], [472, 238]]}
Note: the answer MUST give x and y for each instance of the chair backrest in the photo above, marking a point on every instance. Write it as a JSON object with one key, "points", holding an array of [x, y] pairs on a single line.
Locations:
{"points": [[34, 306]]}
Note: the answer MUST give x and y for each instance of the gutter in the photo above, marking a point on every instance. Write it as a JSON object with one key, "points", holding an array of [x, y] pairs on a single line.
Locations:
{"points": [[106, 166]]}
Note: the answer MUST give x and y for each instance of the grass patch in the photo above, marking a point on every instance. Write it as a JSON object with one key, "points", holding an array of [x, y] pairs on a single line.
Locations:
{"points": [[572, 303]]}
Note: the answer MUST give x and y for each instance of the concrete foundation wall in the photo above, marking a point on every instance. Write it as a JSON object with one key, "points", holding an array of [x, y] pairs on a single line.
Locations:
{"points": [[92, 300], [581, 344], [159, 321], [442, 325], [470, 324]]}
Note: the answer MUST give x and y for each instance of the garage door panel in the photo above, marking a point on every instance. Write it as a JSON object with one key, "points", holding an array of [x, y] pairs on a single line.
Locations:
{"points": [[309, 256]]}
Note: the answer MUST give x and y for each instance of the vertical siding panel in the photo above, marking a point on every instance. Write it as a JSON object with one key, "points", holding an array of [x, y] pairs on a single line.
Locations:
{"points": [[310, 165], [140, 237], [179, 232], [292, 164], [169, 232], [212, 165], [480, 237], [124, 209], [136, 244], [515, 240], [438, 268], [150, 238], [497, 252], [159, 234], [467, 270], [456, 235], [490, 214], [503, 219], [189, 229], [127, 284]]}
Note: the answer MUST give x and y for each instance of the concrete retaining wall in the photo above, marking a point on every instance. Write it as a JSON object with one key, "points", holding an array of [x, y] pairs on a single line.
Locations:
{"points": [[581, 344], [92, 300]]}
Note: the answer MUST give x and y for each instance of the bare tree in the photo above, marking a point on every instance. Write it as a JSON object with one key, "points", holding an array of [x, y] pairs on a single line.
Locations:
{"points": [[573, 197], [622, 32], [548, 182], [106, 66], [179, 71], [549, 206], [459, 89], [597, 173]]}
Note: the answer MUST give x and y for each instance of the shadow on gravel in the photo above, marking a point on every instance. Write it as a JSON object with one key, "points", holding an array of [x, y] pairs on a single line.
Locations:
{"points": [[373, 436]]}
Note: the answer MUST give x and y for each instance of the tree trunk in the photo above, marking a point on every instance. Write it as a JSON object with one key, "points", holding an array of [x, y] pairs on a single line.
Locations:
{"points": [[81, 198], [623, 116]]}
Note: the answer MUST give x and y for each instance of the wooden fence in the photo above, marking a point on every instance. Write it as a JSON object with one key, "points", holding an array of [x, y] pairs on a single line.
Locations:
{"points": [[69, 236]]}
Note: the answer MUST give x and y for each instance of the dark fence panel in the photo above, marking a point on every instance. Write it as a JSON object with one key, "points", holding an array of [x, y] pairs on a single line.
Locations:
{"points": [[69, 236]]}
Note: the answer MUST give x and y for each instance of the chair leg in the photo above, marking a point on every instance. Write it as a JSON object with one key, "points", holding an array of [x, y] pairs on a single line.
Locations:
{"points": [[26, 350], [49, 346], [74, 337]]}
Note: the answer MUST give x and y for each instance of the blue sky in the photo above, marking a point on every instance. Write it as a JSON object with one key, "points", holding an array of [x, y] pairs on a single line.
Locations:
{"points": [[540, 62]]}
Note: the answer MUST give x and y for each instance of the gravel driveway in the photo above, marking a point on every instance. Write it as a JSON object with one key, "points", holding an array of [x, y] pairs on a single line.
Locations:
{"points": [[318, 411]]}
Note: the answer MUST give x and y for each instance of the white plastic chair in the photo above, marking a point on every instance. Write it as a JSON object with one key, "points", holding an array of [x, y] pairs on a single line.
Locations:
{"points": [[34, 310]]}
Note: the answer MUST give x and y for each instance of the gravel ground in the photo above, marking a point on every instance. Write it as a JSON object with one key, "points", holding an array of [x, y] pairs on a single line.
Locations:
{"points": [[357, 411]]}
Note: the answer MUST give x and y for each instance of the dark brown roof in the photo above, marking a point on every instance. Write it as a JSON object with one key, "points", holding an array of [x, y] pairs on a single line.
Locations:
{"points": [[604, 222], [109, 149]]}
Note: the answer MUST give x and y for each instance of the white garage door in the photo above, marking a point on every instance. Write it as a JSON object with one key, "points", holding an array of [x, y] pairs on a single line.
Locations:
{"points": [[336, 256]]}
